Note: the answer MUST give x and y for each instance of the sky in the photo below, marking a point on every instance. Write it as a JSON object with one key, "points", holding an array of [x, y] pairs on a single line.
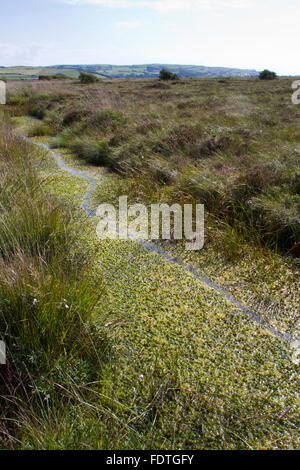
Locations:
{"points": [[255, 34]]}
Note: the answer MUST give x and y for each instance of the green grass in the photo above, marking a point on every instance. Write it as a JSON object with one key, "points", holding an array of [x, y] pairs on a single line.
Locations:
{"points": [[232, 145], [47, 292], [178, 366], [200, 141]]}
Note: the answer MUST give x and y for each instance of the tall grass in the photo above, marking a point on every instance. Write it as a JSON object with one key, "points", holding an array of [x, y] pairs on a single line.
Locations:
{"points": [[188, 370], [47, 297], [203, 139]]}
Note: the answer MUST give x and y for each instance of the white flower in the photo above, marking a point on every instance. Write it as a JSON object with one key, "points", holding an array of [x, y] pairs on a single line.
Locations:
{"points": [[295, 357]]}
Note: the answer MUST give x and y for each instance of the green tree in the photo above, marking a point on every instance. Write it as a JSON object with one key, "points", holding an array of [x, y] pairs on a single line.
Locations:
{"points": [[167, 75], [87, 78], [267, 75]]}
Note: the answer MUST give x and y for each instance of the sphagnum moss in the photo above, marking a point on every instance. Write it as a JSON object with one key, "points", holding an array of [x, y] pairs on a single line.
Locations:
{"points": [[187, 369]]}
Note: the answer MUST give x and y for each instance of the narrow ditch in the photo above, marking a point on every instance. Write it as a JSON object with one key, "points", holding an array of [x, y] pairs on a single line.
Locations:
{"points": [[166, 256]]}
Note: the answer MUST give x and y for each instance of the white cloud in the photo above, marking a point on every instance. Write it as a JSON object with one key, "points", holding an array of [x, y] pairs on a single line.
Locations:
{"points": [[179, 5], [168, 5], [129, 24], [11, 54], [107, 3]]}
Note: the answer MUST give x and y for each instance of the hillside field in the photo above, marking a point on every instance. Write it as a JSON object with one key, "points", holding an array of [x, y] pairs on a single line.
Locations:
{"points": [[121, 71], [33, 73]]}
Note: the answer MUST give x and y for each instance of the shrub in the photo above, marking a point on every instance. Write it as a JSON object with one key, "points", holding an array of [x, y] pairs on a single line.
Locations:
{"points": [[87, 78], [105, 119], [178, 138], [214, 144], [53, 77], [41, 130], [15, 99], [267, 75], [276, 217], [252, 181], [167, 75], [44, 77], [37, 110], [96, 152], [73, 116]]}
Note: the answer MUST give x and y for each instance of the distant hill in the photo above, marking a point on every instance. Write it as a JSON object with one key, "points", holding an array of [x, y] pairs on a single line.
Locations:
{"points": [[152, 70], [33, 73], [122, 71]]}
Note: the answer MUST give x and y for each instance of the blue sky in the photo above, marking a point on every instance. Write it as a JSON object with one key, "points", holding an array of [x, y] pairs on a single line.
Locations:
{"points": [[233, 33]]}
